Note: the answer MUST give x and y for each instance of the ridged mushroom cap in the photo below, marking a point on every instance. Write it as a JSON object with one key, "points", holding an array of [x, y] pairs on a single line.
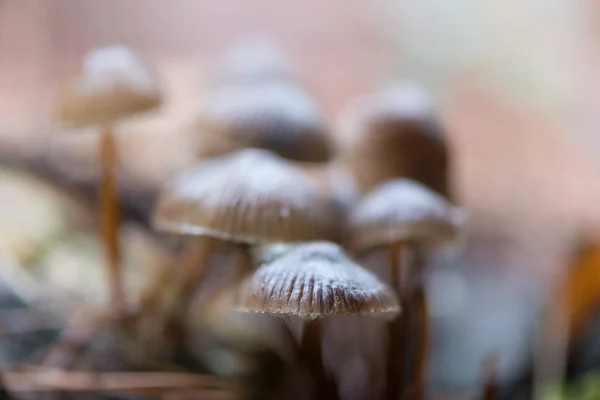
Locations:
{"points": [[251, 196], [316, 280], [277, 116], [113, 83], [392, 134], [403, 210]]}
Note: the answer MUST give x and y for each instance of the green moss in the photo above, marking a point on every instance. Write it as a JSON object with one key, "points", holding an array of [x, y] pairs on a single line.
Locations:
{"points": [[585, 388]]}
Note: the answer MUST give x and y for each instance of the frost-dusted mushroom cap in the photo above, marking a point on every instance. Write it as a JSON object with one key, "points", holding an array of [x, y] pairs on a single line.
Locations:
{"points": [[316, 280], [251, 196], [403, 210], [277, 116], [113, 83], [392, 134]]}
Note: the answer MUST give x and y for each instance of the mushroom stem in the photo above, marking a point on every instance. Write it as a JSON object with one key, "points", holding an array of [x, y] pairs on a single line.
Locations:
{"points": [[397, 347], [243, 267], [110, 220], [419, 327], [311, 349], [194, 267], [490, 390], [190, 274], [244, 261]]}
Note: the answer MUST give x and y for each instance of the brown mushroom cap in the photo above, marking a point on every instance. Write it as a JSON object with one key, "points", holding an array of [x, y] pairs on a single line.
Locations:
{"points": [[274, 115], [316, 280], [393, 134], [251, 196], [113, 83], [403, 210]]}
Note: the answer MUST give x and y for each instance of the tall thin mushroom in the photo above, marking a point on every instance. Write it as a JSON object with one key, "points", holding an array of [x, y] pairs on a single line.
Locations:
{"points": [[249, 197], [313, 281], [114, 83], [405, 214]]}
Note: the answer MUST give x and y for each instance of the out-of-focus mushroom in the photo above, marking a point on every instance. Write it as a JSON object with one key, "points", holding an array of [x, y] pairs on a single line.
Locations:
{"points": [[250, 197], [253, 60], [313, 281], [275, 115], [404, 213], [114, 83], [393, 134]]}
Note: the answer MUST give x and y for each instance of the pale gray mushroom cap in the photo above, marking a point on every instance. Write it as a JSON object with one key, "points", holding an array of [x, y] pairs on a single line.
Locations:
{"points": [[403, 210], [251, 196], [255, 59], [113, 83], [278, 116], [316, 280]]}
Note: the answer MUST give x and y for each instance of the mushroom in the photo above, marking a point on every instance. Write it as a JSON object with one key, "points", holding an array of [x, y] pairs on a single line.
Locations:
{"points": [[403, 213], [252, 60], [393, 134], [250, 197], [276, 115], [114, 83], [313, 281]]}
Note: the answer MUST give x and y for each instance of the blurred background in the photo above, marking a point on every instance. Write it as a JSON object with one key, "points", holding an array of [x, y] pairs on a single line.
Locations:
{"points": [[465, 52], [515, 85]]}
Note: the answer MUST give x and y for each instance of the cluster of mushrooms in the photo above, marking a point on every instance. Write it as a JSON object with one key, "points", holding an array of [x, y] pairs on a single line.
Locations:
{"points": [[297, 248]]}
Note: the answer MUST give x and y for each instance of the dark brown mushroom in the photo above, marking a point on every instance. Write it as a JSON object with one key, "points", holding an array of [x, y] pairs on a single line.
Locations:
{"points": [[394, 134], [114, 83]]}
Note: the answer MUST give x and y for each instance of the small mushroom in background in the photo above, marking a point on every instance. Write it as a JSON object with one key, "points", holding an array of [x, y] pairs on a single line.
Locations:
{"points": [[276, 115], [313, 281], [114, 83], [252, 60], [405, 215], [247, 198], [392, 134], [256, 101]]}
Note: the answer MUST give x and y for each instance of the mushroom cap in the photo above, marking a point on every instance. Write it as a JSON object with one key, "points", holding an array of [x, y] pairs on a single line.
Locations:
{"points": [[392, 134], [276, 115], [251, 196], [255, 59], [403, 210], [113, 83], [316, 280]]}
